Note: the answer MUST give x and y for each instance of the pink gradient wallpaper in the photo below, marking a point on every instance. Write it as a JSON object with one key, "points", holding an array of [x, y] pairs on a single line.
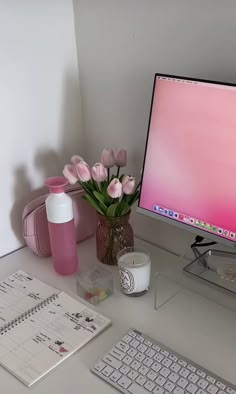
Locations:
{"points": [[190, 164]]}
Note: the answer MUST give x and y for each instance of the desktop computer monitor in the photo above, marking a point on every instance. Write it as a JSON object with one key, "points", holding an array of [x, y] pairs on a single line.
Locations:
{"points": [[189, 170]]}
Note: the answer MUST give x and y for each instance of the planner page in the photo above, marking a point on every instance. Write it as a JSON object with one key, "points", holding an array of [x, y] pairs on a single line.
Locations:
{"points": [[47, 337], [19, 293]]}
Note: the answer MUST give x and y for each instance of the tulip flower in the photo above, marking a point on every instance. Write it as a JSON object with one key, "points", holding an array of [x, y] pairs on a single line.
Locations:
{"points": [[70, 173], [108, 158], [83, 171], [99, 172], [128, 185], [76, 160], [114, 189], [121, 158]]}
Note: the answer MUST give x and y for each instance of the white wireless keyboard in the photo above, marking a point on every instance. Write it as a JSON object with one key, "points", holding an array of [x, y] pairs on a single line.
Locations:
{"points": [[138, 364]]}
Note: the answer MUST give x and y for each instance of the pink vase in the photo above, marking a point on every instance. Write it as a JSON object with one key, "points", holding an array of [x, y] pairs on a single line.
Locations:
{"points": [[113, 234]]}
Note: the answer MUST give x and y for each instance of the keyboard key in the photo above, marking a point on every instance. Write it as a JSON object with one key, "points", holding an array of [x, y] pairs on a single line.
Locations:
{"points": [[143, 370], [175, 367], [202, 383], [173, 377], [107, 371], [160, 380], [127, 360], [178, 390], [136, 389], [148, 343], [212, 389], [201, 374], [221, 385], [182, 363], [132, 375], [164, 352], [193, 378], [122, 346], [117, 353], [182, 383], [230, 391], [132, 352], [150, 352], [191, 388], [113, 362], [139, 338], [184, 372], [156, 367], [166, 362], [191, 368], [200, 391], [169, 386], [165, 372], [211, 379], [134, 343], [158, 390], [148, 361], [156, 348], [149, 385], [140, 357], [124, 369], [124, 382], [127, 339], [141, 380], [115, 376], [158, 357], [152, 375], [173, 357], [135, 365], [99, 366], [132, 334], [142, 348]]}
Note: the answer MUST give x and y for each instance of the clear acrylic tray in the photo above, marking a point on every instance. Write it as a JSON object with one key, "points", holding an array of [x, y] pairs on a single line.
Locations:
{"points": [[217, 267], [205, 277]]}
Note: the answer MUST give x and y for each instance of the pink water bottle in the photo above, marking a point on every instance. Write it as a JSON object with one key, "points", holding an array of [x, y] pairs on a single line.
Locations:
{"points": [[61, 227]]}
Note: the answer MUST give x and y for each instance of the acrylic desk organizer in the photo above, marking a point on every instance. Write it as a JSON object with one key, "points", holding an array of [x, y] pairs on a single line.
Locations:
{"points": [[215, 266], [211, 276], [95, 285]]}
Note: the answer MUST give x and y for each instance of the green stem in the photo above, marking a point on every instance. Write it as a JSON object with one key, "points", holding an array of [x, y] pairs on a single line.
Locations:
{"points": [[108, 175], [138, 185], [118, 172]]}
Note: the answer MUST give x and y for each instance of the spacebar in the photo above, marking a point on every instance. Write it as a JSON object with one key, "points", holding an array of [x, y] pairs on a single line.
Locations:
{"points": [[136, 389]]}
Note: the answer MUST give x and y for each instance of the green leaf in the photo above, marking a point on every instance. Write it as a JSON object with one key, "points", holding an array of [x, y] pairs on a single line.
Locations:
{"points": [[101, 199], [121, 177], [94, 203], [123, 208], [111, 210]]}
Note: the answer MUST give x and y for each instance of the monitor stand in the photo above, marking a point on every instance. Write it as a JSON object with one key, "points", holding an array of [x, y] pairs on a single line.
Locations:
{"points": [[217, 267]]}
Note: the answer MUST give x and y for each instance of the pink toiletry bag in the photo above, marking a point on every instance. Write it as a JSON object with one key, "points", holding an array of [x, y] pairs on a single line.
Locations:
{"points": [[35, 226]]}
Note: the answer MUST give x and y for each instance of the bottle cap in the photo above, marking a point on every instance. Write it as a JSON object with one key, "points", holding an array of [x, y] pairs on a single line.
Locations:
{"points": [[56, 184]]}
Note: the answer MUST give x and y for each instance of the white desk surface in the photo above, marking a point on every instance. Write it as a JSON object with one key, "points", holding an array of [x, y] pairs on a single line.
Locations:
{"points": [[193, 326]]}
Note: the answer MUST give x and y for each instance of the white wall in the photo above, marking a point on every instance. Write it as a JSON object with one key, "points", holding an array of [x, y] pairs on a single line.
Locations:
{"points": [[40, 120], [121, 44]]}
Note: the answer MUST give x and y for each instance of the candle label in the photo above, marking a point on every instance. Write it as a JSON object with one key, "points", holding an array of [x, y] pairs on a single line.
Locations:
{"points": [[127, 280]]}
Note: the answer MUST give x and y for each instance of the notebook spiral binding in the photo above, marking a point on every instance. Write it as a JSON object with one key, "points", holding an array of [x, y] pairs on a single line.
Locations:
{"points": [[27, 314]]}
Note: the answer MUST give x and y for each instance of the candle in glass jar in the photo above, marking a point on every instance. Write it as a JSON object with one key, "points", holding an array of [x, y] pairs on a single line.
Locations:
{"points": [[135, 269]]}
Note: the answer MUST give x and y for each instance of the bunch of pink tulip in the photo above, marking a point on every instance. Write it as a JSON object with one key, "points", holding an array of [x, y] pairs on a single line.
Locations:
{"points": [[110, 194]]}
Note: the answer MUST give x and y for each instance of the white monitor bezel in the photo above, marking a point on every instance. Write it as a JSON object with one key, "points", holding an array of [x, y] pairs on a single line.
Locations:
{"points": [[166, 219]]}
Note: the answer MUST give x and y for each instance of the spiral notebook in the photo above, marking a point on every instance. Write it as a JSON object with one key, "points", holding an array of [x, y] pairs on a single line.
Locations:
{"points": [[40, 326]]}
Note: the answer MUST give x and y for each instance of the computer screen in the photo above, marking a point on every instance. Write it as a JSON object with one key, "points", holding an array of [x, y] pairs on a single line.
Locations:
{"points": [[189, 171]]}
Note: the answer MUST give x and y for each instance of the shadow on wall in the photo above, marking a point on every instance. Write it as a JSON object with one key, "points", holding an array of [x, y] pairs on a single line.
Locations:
{"points": [[49, 162], [23, 193]]}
